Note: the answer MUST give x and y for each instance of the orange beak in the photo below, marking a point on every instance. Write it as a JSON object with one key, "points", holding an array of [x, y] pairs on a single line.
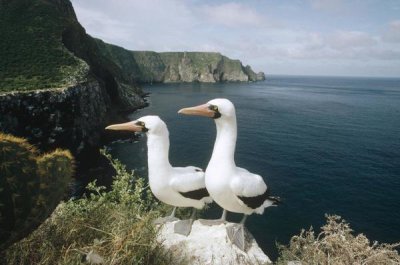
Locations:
{"points": [[127, 126], [201, 110]]}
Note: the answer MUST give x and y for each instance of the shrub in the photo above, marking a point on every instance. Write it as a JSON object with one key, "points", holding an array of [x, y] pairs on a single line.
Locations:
{"points": [[109, 227], [336, 245]]}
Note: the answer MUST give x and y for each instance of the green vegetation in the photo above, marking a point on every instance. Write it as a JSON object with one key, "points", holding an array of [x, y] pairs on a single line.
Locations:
{"points": [[113, 227], [199, 60], [151, 66], [337, 245], [119, 56], [31, 49], [31, 186]]}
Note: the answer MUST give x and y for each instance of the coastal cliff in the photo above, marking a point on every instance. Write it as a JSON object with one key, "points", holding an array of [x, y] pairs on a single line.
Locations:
{"points": [[173, 67], [56, 88], [59, 86]]}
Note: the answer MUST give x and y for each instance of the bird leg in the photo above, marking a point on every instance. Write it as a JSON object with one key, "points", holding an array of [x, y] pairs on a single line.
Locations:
{"points": [[166, 219], [219, 221], [184, 227], [235, 233]]}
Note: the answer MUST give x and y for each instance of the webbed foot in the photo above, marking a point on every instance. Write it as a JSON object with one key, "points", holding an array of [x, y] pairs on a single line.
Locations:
{"points": [[183, 227], [235, 234]]}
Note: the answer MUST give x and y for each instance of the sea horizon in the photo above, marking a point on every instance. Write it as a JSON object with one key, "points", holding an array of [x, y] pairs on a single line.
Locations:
{"points": [[312, 140], [330, 76]]}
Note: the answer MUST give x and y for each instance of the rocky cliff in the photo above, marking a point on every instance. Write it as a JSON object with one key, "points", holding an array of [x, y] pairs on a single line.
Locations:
{"points": [[210, 245], [59, 86], [56, 88], [70, 117], [169, 67]]}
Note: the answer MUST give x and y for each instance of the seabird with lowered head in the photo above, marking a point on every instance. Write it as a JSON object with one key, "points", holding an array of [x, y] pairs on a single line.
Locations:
{"points": [[176, 186]]}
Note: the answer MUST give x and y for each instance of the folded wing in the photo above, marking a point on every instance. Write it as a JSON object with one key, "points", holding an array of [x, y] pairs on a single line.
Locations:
{"points": [[250, 189], [189, 182]]}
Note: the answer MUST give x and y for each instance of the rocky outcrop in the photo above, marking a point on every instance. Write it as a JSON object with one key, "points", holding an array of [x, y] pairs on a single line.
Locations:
{"points": [[210, 245], [260, 76]]}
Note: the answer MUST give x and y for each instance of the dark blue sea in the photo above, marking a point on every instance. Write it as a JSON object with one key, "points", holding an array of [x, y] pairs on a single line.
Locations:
{"points": [[323, 144]]}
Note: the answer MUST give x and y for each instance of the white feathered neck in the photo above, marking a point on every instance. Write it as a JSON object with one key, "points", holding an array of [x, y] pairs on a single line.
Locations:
{"points": [[225, 142], [158, 152]]}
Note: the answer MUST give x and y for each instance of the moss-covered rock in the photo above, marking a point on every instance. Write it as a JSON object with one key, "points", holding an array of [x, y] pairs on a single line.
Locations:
{"points": [[31, 186]]}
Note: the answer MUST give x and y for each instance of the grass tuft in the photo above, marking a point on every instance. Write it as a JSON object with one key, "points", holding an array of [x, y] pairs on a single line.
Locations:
{"points": [[105, 227]]}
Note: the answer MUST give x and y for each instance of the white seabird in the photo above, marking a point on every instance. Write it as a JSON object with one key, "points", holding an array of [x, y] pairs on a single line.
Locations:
{"points": [[176, 186], [233, 188]]}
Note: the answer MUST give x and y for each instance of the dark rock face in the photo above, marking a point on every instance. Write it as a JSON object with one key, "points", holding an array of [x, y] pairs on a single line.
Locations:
{"points": [[71, 118]]}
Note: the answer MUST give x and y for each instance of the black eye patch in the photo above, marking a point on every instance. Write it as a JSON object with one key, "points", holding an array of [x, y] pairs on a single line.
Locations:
{"points": [[214, 108], [142, 124]]}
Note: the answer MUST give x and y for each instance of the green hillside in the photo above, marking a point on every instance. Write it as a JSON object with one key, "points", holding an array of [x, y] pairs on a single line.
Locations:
{"points": [[31, 51]]}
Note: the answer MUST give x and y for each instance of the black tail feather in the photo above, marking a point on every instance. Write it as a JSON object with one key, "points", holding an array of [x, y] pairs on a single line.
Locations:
{"points": [[275, 199]]}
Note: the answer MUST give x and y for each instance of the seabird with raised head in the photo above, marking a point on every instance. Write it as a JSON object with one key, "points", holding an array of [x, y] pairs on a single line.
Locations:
{"points": [[233, 188]]}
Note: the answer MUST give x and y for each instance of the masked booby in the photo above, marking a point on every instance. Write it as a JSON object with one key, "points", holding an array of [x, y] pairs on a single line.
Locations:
{"points": [[233, 188], [176, 186]]}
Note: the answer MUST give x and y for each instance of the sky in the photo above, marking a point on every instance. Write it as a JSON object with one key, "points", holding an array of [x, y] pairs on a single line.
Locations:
{"points": [[296, 37]]}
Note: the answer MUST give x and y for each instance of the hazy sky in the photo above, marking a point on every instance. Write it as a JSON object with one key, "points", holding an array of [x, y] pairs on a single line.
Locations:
{"points": [[304, 37]]}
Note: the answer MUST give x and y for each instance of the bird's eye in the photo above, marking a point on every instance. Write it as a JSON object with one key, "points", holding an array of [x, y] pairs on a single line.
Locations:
{"points": [[140, 123], [213, 108]]}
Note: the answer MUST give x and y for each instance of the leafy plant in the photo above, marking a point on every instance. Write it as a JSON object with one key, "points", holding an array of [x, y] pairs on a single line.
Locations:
{"points": [[337, 245]]}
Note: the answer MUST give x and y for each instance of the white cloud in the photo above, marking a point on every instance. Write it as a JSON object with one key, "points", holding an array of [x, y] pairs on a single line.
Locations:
{"points": [[136, 24], [350, 39], [326, 5], [392, 33], [233, 15], [103, 26], [240, 31]]}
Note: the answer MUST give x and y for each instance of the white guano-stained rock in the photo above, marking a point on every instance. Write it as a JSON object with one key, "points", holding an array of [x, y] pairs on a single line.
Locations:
{"points": [[210, 245]]}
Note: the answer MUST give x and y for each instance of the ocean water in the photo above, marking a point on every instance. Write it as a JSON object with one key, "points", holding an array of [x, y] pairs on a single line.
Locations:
{"points": [[323, 144]]}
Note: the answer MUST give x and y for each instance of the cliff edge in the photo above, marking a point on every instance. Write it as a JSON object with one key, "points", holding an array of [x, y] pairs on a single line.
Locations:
{"points": [[210, 245]]}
